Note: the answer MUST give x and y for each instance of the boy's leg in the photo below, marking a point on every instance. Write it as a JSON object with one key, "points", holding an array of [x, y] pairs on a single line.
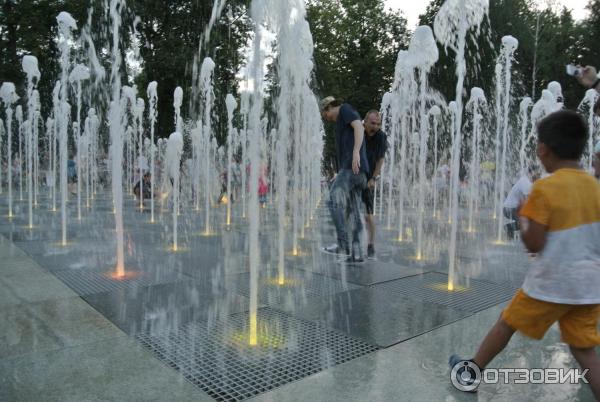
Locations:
{"points": [[588, 359], [579, 329], [494, 343]]}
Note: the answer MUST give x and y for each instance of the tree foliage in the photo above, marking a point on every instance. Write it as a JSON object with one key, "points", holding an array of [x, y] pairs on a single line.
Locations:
{"points": [[548, 41]]}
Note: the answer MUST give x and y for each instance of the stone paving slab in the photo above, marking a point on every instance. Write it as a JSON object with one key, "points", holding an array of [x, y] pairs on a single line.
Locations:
{"points": [[118, 369], [51, 325], [378, 317]]}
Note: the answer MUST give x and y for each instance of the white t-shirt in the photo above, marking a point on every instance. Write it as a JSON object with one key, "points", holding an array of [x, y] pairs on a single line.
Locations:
{"points": [[518, 193]]}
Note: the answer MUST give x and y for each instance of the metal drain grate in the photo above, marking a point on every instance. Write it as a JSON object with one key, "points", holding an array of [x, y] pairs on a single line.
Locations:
{"points": [[473, 297], [87, 283], [218, 359], [298, 285]]}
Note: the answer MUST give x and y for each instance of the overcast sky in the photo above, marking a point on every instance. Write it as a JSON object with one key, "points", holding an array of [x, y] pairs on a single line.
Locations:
{"points": [[412, 8]]}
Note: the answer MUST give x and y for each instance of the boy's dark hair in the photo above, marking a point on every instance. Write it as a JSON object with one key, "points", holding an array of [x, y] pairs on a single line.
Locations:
{"points": [[565, 132]]}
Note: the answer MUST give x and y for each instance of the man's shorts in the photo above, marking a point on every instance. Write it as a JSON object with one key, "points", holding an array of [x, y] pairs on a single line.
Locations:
{"points": [[578, 322], [368, 197]]}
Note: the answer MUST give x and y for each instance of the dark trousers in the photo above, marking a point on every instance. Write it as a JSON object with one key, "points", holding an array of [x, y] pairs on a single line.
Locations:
{"points": [[512, 227]]}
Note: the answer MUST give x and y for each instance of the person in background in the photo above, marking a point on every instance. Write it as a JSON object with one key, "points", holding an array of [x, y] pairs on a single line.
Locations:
{"points": [[145, 187], [588, 77], [516, 196], [377, 145], [351, 178]]}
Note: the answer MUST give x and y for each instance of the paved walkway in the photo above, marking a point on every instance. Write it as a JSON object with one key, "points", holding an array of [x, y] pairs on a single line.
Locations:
{"points": [[55, 347]]}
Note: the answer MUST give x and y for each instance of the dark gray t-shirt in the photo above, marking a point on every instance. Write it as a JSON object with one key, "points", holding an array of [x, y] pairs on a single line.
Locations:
{"points": [[344, 140]]}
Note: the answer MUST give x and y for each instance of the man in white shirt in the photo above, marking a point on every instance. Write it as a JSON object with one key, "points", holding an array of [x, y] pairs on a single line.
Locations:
{"points": [[516, 197]]}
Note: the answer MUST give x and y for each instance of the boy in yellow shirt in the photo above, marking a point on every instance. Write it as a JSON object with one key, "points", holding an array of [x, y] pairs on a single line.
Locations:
{"points": [[561, 221]]}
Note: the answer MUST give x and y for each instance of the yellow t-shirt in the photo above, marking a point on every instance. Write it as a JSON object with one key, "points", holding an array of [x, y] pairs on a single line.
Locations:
{"points": [[567, 271]]}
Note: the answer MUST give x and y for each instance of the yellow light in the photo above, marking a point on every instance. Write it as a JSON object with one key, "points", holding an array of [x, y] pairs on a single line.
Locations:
{"points": [[450, 286], [295, 252], [281, 280], [400, 239], [224, 200], [120, 271], [252, 338], [419, 257]]}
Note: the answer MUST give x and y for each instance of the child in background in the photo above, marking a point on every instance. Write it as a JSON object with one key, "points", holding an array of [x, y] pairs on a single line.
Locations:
{"points": [[561, 221]]}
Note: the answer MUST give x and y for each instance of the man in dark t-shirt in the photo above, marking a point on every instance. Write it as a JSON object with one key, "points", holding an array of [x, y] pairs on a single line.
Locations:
{"points": [[351, 178], [376, 142]]}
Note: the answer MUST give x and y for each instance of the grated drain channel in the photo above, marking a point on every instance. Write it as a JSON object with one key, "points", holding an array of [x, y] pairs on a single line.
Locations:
{"points": [[89, 282], [474, 296], [219, 360]]}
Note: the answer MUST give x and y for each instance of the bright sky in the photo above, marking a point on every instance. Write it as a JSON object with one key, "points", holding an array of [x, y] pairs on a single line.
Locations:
{"points": [[412, 8]]}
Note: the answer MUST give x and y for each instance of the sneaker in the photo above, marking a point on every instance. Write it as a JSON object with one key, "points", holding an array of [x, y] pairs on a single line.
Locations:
{"points": [[466, 377], [371, 252], [352, 260], [335, 249]]}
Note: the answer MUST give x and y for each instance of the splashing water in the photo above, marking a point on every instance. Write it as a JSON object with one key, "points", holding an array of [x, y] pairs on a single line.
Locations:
{"points": [[451, 26]]}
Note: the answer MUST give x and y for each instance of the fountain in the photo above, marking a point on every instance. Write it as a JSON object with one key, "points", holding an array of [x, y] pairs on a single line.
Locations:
{"points": [[78, 74], [590, 99], [452, 24], [66, 24], [56, 111], [231, 105], [30, 67], [172, 162], [19, 118], [206, 93], [36, 154], [509, 46], [152, 113], [116, 135], [424, 53], [142, 163], [475, 105], [524, 106], [435, 112], [9, 96]]}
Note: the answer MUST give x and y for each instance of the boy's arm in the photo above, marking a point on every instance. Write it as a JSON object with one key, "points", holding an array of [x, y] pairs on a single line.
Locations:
{"points": [[533, 235]]}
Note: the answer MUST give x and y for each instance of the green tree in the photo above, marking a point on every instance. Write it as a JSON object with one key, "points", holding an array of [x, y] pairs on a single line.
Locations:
{"points": [[172, 35]]}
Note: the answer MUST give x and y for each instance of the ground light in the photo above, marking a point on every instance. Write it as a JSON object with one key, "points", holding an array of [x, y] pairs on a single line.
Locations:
{"points": [[263, 340], [252, 335], [124, 276]]}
